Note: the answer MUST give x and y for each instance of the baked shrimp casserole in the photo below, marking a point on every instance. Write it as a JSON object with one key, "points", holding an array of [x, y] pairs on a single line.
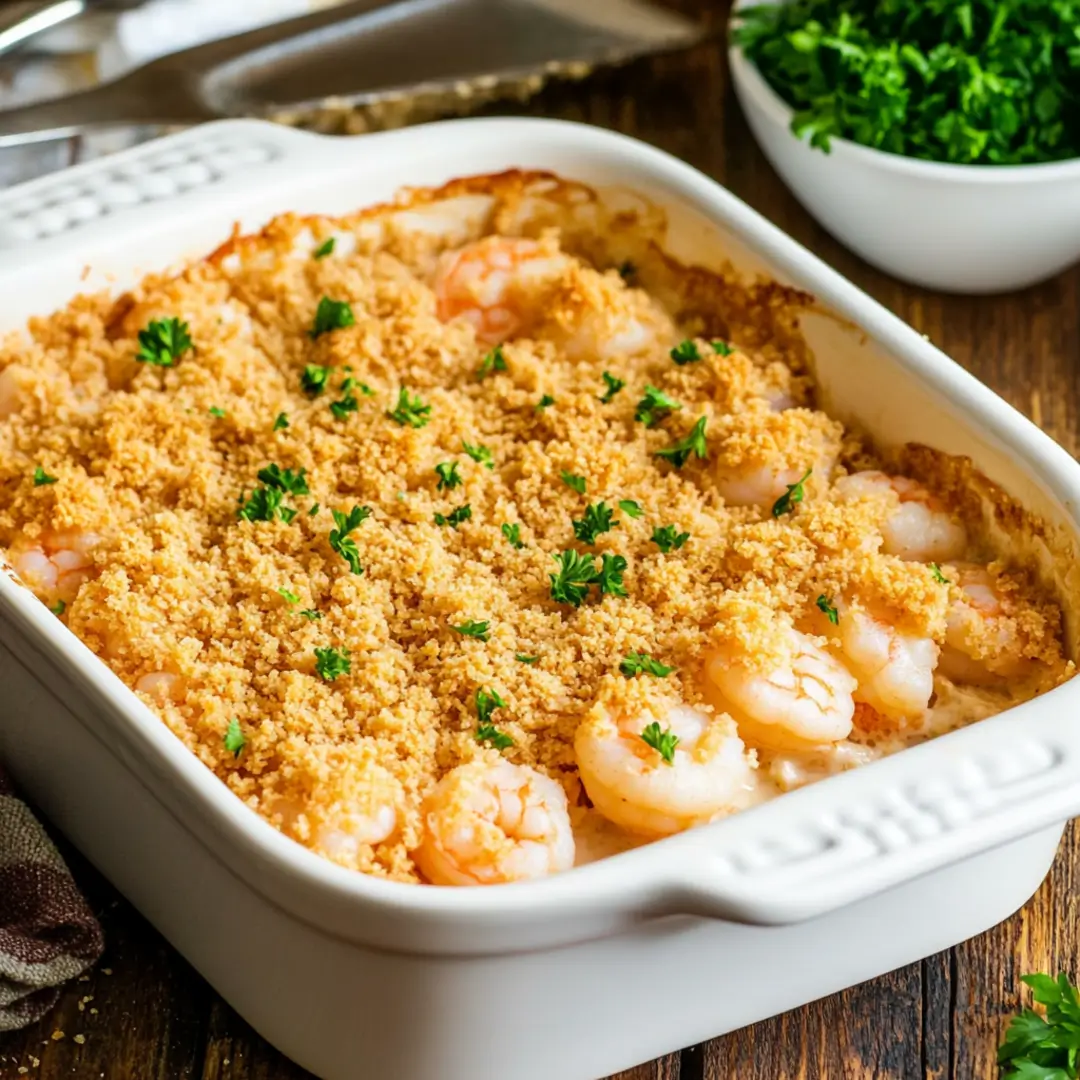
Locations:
{"points": [[472, 537]]}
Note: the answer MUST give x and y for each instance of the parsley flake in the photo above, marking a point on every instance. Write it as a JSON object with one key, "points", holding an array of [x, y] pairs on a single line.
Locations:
{"points": [[642, 663], [234, 738], [654, 406], [58, 608], [310, 614], [630, 508], [666, 538], [295, 483], [163, 342], [324, 249], [341, 542], [480, 454], [795, 494], [939, 577], [572, 481], [663, 742], [722, 348], [686, 352], [576, 573], [449, 477], [332, 315], [521, 658], [613, 387], [473, 629], [546, 401], [598, 519], [492, 362], [489, 733], [290, 597], [455, 517], [410, 410], [314, 379], [265, 504], [41, 477], [487, 701], [217, 413], [826, 607], [348, 403], [610, 576], [332, 662], [694, 443], [512, 534]]}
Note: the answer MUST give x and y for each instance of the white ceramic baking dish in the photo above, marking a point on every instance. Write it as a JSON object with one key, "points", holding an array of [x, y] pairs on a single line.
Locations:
{"points": [[587, 972]]}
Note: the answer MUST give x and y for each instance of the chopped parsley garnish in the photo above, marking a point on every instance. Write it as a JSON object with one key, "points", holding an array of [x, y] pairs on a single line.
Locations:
{"points": [[41, 477], [58, 608], [521, 658], [310, 614], [642, 663], [487, 701], [578, 572], [366, 390], [410, 410], [544, 402], [1040, 1047], [512, 534], [610, 577], [332, 315], [598, 519], [314, 379], [613, 387], [686, 352], [663, 742], [489, 733], [826, 607], [480, 454], [694, 443], [216, 412], [348, 403], [324, 249], [455, 517], [572, 481], [341, 542], [652, 408], [234, 738], [281, 422], [722, 348], [473, 629], [630, 508], [492, 362], [314, 510], [666, 538], [332, 662], [163, 342], [449, 478], [939, 577], [265, 505], [794, 494], [290, 597], [295, 483]]}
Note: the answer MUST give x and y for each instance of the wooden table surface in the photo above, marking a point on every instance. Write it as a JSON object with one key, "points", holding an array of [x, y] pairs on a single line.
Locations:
{"points": [[144, 1014]]}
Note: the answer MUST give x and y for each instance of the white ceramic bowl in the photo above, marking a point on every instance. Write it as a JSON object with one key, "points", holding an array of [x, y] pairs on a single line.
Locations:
{"points": [[715, 928], [960, 228]]}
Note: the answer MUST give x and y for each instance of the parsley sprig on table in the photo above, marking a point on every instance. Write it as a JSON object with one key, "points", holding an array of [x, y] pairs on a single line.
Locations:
{"points": [[972, 82], [1044, 1048]]}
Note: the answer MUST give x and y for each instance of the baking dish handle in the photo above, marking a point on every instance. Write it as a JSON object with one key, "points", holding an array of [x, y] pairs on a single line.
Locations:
{"points": [[840, 849]]}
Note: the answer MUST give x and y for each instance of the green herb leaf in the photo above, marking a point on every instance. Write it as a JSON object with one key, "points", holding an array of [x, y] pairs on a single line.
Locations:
{"points": [[455, 517], [265, 504], [575, 482], [234, 738], [794, 494], [610, 575], [487, 701], [488, 733], [410, 410], [694, 443], [598, 519], [663, 742], [686, 352], [576, 573], [341, 542], [613, 386], [314, 379], [295, 483], [163, 342], [642, 663], [324, 249], [722, 348], [348, 403], [480, 454], [473, 629], [310, 614], [217, 413], [544, 402], [332, 662], [332, 315], [826, 607], [1038, 1048], [290, 597], [939, 577], [521, 658], [654, 406], [512, 534], [492, 362], [630, 508], [449, 478], [58, 608], [314, 510], [41, 477], [666, 538]]}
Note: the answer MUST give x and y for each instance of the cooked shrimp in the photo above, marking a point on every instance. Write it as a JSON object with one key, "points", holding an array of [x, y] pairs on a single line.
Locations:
{"points": [[798, 699], [894, 669], [490, 822], [493, 284], [917, 525], [984, 639], [634, 786], [58, 564]]}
